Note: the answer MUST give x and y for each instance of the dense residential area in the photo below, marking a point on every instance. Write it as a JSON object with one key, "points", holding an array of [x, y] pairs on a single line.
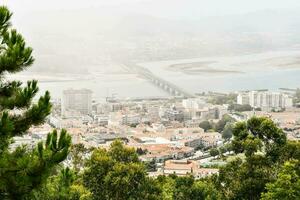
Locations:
{"points": [[199, 140], [210, 145]]}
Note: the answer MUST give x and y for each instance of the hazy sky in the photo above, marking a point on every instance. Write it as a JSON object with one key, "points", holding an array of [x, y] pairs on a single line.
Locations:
{"points": [[191, 9]]}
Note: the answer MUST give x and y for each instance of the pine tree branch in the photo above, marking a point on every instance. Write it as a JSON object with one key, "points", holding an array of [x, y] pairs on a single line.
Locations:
{"points": [[14, 56], [25, 170], [13, 96], [34, 116]]}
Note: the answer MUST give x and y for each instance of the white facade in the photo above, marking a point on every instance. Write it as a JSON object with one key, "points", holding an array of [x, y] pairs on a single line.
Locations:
{"points": [[131, 119], [102, 119], [193, 103], [243, 99], [77, 100], [265, 100]]}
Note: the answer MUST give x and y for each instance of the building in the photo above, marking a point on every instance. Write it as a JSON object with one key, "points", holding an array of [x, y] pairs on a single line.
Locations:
{"points": [[265, 100], [243, 99], [174, 115], [103, 108], [102, 138], [211, 139], [193, 123], [159, 152], [153, 113], [158, 127], [76, 100], [212, 112], [180, 167], [194, 137], [102, 119], [131, 119], [193, 103], [184, 167]]}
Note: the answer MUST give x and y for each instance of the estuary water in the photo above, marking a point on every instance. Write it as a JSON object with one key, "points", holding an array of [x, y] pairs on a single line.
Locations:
{"points": [[269, 70]]}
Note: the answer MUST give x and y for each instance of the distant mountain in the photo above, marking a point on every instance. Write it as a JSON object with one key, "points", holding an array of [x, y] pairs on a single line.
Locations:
{"points": [[75, 40]]}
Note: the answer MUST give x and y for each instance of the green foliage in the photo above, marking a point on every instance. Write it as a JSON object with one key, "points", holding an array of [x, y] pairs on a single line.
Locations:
{"points": [[263, 144], [23, 170], [244, 179], [240, 108], [140, 151], [287, 184], [222, 150], [291, 151], [223, 99], [187, 188], [200, 147], [227, 131], [117, 173], [219, 126], [204, 190], [270, 169], [214, 152], [64, 186], [77, 153], [206, 125], [251, 136], [183, 187], [15, 56], [151, 166]]}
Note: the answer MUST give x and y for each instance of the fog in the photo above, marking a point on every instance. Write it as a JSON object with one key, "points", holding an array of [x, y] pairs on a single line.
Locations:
{"points": [[191, 9], [100, 36]]}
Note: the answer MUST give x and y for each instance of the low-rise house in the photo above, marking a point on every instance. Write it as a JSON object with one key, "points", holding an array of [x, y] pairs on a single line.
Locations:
{"points": [[185, 167], [211, 139], [161, 152], [194, 137]]}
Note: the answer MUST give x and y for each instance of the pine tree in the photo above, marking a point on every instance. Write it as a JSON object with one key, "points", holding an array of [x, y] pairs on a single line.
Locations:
{"points": [[23, 170]]}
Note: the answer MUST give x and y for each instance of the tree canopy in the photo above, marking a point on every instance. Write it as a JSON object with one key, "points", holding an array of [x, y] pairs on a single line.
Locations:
{"points": [[287, 184], [265, 148], [117, 173], [23, 170]]}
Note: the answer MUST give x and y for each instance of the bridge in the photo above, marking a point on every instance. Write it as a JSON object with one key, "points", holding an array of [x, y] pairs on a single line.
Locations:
{"points": [[159, 82]]}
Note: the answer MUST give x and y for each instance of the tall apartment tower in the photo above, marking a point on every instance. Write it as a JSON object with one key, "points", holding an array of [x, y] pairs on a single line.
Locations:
{"points": [[76, 101], [265, 100]]}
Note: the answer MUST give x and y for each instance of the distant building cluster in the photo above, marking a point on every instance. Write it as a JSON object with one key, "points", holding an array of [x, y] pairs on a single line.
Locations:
{"points": [[76, 102], [164, 131], [265, 100], [161, 128]]}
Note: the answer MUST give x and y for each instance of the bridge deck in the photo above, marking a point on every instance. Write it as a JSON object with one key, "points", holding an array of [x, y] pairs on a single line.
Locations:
{"points": [[161, 83]]}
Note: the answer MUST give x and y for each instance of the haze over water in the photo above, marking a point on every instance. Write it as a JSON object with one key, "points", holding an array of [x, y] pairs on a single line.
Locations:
{"points": [[197, 45]]}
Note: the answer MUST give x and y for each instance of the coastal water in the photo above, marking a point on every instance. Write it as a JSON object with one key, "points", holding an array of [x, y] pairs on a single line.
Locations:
{"points": [[119, 87], [271, 70]]}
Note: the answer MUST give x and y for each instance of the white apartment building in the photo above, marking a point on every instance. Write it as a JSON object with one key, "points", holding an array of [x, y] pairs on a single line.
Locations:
{"points": [[265, 100], [76, 100], [211, 112], [243, 99], [131, 119], [102, 119], [193, 103]]}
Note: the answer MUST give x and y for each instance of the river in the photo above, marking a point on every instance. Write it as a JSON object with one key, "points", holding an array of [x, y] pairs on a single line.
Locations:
{"points": [[269, 70]]}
